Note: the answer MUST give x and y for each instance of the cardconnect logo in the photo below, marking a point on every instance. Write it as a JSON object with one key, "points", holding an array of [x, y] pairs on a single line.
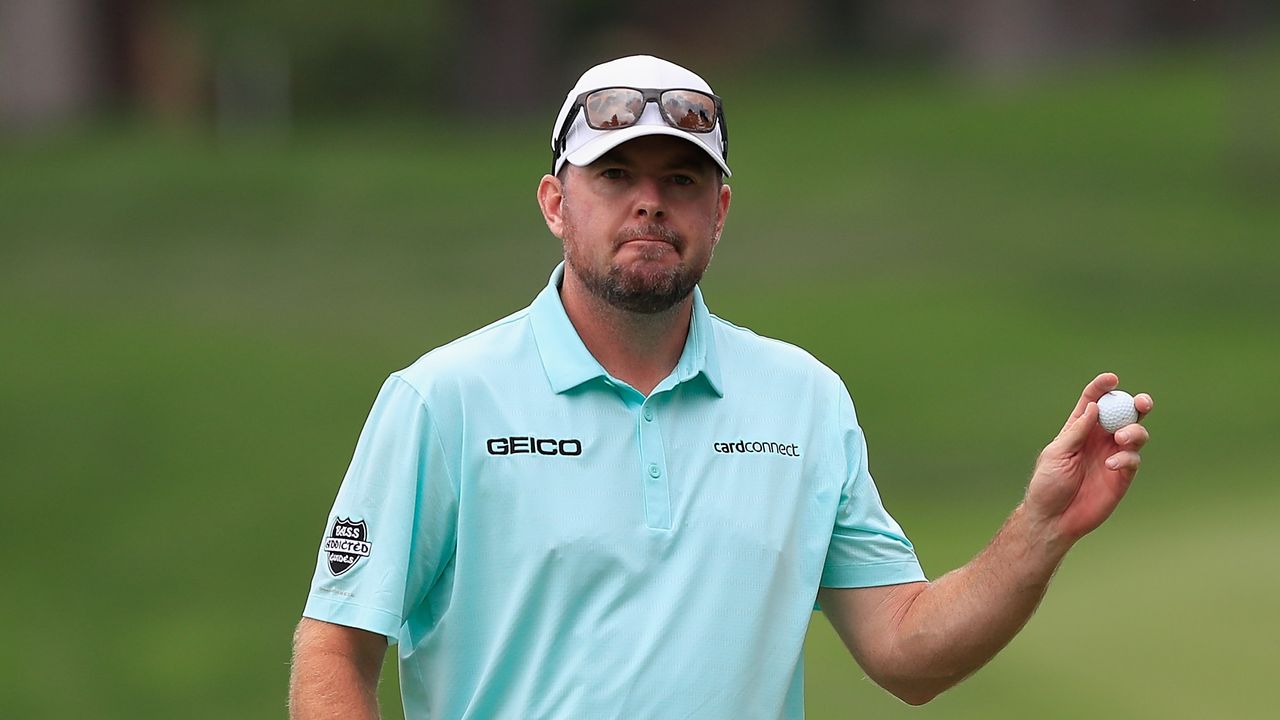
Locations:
{"points": [[742, 446]]}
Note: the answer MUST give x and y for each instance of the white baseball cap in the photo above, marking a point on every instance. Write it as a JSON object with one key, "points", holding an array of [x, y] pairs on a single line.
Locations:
{"points": [[583, 144]]}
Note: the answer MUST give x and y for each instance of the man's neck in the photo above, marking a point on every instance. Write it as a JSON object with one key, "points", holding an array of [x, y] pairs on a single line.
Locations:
{"points": [[639, 349]]}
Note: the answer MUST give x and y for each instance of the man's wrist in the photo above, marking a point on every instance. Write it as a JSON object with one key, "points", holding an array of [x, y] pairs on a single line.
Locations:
{"points": [[1036, 542]]}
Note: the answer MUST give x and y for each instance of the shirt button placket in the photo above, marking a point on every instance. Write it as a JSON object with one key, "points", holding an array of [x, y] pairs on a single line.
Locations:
{"points": [[653, 468]]}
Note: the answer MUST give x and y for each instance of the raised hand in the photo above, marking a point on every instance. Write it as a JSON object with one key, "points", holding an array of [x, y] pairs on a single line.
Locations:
{"points": [[1082, 475]]}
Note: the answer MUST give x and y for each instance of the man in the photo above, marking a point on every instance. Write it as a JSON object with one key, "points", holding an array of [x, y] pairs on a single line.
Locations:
{"points": [[613, 504]]}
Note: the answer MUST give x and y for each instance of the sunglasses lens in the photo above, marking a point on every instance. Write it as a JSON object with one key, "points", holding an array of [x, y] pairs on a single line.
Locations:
{"points": [[613, 108], [690, 110]]}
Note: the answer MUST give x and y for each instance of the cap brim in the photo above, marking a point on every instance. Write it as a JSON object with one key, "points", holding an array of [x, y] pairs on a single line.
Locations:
{"points": [[597, 146]]}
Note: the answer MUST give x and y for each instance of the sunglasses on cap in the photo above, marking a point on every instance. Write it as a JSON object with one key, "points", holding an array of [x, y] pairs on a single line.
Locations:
{"points": [[614, 108]]}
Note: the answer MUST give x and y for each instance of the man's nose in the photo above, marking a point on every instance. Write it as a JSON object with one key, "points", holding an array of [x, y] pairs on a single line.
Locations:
{"points": [[649, 202]]}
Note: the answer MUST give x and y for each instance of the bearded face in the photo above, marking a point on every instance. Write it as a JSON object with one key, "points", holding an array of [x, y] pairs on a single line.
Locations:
{"points": [[639, 223], [645, 281]]}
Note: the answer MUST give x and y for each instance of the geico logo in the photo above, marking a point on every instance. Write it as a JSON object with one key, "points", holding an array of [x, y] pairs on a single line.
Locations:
{"points": [[533, 446]]}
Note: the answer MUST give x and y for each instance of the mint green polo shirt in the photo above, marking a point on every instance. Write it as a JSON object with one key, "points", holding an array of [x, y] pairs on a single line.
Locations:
{"points": [[543, 541]]}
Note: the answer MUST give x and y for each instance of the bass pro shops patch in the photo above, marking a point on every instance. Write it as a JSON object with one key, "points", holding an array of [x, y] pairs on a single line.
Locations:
{"points": [[345, 544]]}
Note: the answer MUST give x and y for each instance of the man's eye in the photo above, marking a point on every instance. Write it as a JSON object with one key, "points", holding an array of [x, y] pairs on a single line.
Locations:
{"points": [[682, 179], [613, 173]]}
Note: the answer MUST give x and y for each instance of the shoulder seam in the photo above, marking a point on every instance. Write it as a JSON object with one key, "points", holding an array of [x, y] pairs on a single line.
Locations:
{"points": [[518, 316], [776, 342], [435, 431], [502, 322]]}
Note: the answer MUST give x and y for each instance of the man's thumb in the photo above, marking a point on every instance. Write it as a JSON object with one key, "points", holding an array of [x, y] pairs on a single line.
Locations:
{"points": [[1074, 435]]}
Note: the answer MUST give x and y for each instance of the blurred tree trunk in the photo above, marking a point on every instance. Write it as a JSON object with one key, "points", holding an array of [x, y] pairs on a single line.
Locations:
{"points": [[838, 25], [47, 71], [1004, 38], [503, 61]]}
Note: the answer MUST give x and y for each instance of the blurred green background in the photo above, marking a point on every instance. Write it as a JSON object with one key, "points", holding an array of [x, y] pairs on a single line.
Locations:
{"points": [[205, 277]]}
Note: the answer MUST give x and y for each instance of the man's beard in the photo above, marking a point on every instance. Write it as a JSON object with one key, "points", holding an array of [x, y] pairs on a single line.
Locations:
{"points": [[639, 291]]}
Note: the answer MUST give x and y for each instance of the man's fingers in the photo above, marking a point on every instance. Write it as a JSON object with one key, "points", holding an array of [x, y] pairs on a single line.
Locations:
{"points": [[1125, 460], [1132, 437], [1143, 403], [1097, 387], [1077, 430]]}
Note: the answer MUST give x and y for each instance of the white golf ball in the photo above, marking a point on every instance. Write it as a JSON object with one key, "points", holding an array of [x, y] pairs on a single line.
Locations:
{"points": [[1115, 410]]}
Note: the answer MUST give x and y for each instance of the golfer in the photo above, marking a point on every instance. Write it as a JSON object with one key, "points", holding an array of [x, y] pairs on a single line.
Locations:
{"points": [[614, 504]]}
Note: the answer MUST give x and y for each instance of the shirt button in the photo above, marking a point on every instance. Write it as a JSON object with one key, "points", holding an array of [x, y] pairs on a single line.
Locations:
{"points": [[648, 414], [654, 470]]}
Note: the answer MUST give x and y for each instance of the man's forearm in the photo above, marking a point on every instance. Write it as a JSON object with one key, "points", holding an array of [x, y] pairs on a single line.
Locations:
{"points": [[918, 639], [332, 677], [327, 686], [960, 621]]}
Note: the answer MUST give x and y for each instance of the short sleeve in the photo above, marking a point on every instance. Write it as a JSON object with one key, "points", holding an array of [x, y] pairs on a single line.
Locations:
{"points": [[391, 529], [868, 547]]}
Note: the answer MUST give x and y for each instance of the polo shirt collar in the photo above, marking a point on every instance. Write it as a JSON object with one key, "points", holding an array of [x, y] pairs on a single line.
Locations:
{"points": [[569, 364]]}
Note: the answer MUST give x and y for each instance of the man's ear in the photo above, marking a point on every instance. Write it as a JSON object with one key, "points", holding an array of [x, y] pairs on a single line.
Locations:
{"points": [[722, 210], [551, 201]]}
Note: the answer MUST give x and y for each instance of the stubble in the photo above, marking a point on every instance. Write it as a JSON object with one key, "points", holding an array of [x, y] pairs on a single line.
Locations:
{"points": [[635, 288]]}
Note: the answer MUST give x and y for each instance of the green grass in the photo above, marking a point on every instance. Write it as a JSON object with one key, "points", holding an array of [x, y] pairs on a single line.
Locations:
{"points": [[195, 331]]}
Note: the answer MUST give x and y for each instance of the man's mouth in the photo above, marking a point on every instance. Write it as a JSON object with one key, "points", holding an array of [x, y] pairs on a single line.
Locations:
{"points": [[649, 237]]}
